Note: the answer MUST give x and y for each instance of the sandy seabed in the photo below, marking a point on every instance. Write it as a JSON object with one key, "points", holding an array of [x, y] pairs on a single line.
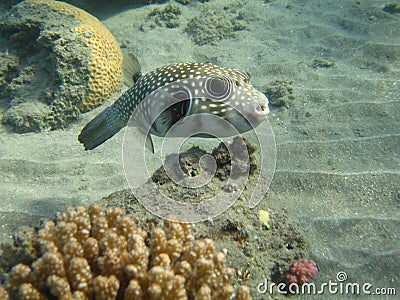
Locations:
{"points": [[337, 138]]}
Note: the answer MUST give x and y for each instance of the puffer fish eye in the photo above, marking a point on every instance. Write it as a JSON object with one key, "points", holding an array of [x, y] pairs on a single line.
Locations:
{"points": [[218, 87]]}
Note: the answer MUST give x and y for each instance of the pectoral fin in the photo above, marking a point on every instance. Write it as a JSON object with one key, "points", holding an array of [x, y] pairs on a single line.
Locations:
{"points": [[142, 138], [149, 143]]}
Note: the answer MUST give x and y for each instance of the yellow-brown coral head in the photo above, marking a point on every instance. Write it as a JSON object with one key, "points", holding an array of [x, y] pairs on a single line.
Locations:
{"points": [[67, 62], [105, 67]]}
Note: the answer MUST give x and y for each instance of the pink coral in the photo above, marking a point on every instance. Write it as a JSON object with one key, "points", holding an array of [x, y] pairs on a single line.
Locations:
{"points": [[301, 272]]}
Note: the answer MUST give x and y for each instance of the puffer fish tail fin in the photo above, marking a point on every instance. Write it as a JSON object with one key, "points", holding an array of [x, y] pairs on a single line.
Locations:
{"points": [[107, 123], [131, 69], [100, 129]]}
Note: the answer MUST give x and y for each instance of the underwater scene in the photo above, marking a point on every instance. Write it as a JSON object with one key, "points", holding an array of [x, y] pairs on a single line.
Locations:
{"points": [[194, 149]]}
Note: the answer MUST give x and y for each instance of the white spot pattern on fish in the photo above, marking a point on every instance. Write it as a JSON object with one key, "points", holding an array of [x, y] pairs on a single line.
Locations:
{"points": [[115, 117]]}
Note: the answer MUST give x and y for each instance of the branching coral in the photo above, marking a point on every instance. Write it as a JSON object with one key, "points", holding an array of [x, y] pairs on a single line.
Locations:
{"points": [[87, 254]]}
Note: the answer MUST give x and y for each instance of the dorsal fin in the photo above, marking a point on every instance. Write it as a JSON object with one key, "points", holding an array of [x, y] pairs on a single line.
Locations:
{"points": [[130, 68]]}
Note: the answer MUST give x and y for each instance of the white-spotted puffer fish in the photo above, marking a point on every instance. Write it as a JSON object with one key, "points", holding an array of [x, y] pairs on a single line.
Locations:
{"points": [[206, 88]]}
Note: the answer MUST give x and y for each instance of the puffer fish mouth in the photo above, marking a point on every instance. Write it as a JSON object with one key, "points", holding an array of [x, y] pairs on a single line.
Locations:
{"points": [[261, 108]]}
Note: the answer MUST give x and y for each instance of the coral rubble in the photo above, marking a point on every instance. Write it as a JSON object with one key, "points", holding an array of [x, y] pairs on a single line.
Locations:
{"points": [[166, 17], [211, 27]]}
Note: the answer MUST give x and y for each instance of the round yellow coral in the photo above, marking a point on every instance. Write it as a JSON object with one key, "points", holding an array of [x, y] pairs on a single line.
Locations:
{"points": [[68, 63], [105, 65]]}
